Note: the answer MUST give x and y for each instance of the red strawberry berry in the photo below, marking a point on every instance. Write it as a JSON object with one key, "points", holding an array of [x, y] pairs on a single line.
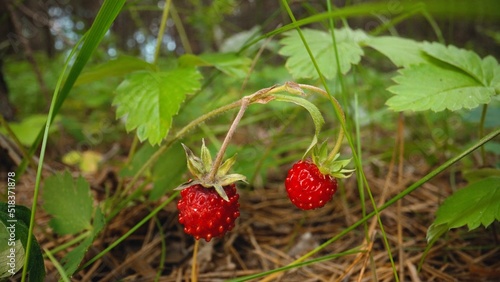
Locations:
{"points": [[307, 187], [205, 214]]}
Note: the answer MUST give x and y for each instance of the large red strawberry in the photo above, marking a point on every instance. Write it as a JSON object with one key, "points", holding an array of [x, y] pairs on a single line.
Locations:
{"points": [[307, 187], [209, 204], [311, 184], [205, 214]]}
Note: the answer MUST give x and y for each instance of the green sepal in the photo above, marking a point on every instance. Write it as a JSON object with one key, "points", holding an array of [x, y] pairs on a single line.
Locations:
{"points": [[221, 192], [201, 168], [194, 163], [206, 158], [333, 167], [224, 168], [187, 184], [320, 153], [313, 144], [231, 178]]}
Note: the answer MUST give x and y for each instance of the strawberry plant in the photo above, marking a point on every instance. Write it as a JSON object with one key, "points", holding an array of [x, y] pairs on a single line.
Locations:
{"points": [[119, 168]]}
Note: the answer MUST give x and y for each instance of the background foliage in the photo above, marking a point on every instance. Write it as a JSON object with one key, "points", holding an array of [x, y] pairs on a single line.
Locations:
{"points": [[124, 83]]}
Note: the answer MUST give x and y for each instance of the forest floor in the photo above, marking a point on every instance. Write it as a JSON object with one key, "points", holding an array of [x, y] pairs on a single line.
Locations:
{"points": [[272, 233]]}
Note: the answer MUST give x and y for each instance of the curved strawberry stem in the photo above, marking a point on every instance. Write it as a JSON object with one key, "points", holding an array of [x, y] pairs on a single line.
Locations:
{"points": [[341, 113], [245, 101], [261, 96]]}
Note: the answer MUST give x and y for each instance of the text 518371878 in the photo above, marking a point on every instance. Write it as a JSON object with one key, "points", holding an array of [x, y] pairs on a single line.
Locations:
{"points": [[11, 222]]}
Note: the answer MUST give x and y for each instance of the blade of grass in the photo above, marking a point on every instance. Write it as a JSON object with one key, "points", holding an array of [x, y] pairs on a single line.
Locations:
{"points": [[288, 267], [108, 12], [58, 266], [163, 254], [105, 17], [40, 166]]}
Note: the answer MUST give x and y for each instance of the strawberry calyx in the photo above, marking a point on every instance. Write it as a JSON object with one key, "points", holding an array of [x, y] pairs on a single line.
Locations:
{"points": [[201, 169], [328, 165]]}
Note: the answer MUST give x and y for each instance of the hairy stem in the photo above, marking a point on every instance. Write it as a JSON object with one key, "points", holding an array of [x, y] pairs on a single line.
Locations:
{"points": [[220, 155]]}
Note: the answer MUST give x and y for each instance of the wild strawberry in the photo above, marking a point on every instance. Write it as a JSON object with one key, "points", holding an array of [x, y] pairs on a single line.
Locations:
{"points": [[307, 187], [209, 204], [205, 214], [311, 184]]}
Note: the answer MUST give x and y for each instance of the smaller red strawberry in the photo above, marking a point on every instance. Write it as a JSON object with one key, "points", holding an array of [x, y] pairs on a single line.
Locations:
{"points": [[307, 187], [311, 184], [205, 214]]}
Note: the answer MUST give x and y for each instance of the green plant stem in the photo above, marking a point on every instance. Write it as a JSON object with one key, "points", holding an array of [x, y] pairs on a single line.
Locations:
{"points": [[359, 178], [434, 25], [163, 254], [481, 132], [58, 266], [70, 243], [394, 21], [337, 55], [163, 24], [338, 108], [180, 29], [399, 196]]}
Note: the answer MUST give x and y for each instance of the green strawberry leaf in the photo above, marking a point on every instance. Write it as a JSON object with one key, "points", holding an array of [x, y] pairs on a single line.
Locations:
{"points": [[228, 63], [73, 259], [401, 51], [474, 205], [69, 202], [436, 87], [469, 62], [299, 63], [491, 70], [148, 100], [16, 219]]}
